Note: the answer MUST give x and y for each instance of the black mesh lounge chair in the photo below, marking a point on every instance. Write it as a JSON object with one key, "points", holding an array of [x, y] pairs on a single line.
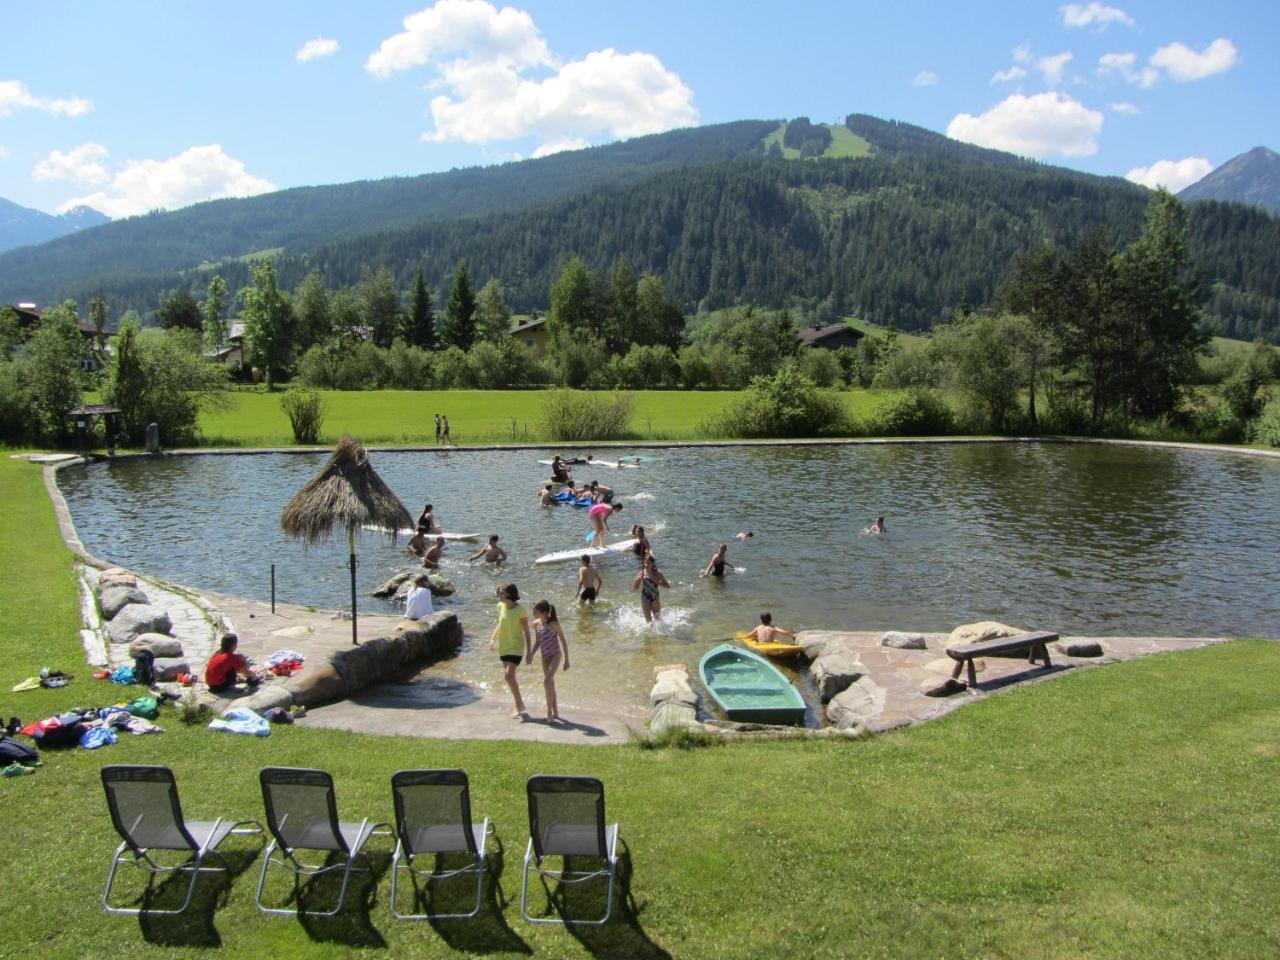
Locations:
{"points": [[302, 814], [566, 819], [145, 811], [433, 816]]}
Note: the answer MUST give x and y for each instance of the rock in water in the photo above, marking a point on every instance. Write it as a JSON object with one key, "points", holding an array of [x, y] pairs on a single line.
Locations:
{"points": [[388, 589], [398, 586], [115, 597], [903, 641], [135, 620]]}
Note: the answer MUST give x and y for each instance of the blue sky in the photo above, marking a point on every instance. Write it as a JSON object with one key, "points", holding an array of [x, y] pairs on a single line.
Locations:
{"points": [[138, 104]]}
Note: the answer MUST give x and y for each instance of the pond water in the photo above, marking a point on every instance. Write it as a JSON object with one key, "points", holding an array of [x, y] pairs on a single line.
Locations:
{"points": [[1082, 539]]}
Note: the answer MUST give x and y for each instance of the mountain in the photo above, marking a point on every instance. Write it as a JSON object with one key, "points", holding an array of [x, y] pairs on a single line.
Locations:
{"points": [[1252, 178], [22, 226], [885, 220]]}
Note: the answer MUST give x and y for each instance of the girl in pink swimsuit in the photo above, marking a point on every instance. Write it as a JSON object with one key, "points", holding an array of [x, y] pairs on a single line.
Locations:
{"points": [[600, 515], [553, 645]]}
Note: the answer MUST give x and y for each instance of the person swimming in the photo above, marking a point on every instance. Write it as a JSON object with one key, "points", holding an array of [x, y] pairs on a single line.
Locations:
{"points": [[491, 552], [744, 535], [876, 529], [547, 496], [431, 559]]}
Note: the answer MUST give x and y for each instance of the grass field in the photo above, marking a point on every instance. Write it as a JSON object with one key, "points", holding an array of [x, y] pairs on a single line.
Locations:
{"points": [[1127, 811], [476, 416], [844, 143]]}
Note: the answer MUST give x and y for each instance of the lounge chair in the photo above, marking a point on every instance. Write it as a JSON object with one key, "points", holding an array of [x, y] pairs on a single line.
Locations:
{"points": [[433, 817], [145, 811], [566, 819], [302, 814]]}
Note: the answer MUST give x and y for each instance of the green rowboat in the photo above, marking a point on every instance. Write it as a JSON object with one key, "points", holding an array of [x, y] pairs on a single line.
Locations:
{"points": [[748, 688]]}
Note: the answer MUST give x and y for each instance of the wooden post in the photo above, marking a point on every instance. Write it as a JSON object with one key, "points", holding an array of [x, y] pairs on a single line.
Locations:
{"points": [[351, 549]]}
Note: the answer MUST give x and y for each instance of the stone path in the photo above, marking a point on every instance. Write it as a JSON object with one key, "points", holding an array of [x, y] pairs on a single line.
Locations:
{"points": [[195, 623]]}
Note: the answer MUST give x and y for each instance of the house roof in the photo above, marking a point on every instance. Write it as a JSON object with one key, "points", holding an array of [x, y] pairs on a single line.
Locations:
{"points": [[529, 325], [811, 335]]}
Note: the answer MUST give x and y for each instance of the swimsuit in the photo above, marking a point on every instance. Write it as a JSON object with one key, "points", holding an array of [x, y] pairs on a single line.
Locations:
{"points": [[589, 594], [649, 590], [548, 642], [717, 568], [600, 510]]}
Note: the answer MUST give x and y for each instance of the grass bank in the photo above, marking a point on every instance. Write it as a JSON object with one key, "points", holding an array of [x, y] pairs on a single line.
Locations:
{"points": [[476, 416], [1127, 811]]}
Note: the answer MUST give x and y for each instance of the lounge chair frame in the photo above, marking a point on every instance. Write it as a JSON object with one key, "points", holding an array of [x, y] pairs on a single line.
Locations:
{"points": [[474, 839], [198, 838], [605, 846], [348, 839]]}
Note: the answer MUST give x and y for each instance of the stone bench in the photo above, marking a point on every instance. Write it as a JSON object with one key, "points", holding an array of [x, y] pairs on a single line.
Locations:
{"points": [[1035, 645]]}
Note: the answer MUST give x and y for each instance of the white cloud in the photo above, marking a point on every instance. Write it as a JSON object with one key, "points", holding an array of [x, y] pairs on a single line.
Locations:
{"points": [[1045, 125], [1184, 64], [317, 48], [925, 78], [4, 152], [1022, 54], [14, 96], [1053, 66], [196, 174], [1124, 65], [82, 164], [507, 36], [1123, 106], [1093, 14], [500, 81], [1174, 175], [1013, 73], [558, 146]]}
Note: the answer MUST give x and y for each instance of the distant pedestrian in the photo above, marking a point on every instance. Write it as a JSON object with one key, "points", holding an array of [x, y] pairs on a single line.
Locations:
{"points": [[438, 428], [445, 421]]}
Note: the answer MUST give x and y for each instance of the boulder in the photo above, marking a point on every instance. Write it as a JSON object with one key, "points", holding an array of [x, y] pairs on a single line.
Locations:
{"points": [[670, 714], [357, 666], [942, 688], [430, 638], [397, 587], [135, 620], [158, 644], [819, 642], [318, 683], [388, 589], [115, 597], [266, 697], [833, 672], [168, 668], [1079, 648], [903, 641], [672, 686], [859, 705], [982, 631], [117, 577]]}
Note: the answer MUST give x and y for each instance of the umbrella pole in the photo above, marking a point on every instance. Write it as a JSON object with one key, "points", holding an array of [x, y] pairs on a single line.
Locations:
{"points": [[351, 548]]}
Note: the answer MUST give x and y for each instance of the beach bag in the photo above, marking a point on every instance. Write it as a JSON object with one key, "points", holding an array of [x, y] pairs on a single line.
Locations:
{"points": [[60, 736], [144, 668], [146, 707]]}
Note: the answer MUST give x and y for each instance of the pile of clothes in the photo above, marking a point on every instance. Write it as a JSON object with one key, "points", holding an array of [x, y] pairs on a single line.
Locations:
{"points": [[94, 727], [285, 663], [48, 679]]}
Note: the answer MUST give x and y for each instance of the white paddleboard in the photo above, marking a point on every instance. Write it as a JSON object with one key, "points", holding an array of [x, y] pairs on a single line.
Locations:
{"points": [[560, 556], [409, 532]]}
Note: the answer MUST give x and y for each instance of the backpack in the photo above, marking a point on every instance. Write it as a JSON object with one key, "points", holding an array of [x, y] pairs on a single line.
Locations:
{"points": [[14, 751], [144, 668], [65, 735]]}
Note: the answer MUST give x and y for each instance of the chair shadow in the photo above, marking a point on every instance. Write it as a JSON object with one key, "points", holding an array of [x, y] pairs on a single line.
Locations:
{"points": [[194, 927], [622, 936], [489, 931], [352, 925], [587, 729]]}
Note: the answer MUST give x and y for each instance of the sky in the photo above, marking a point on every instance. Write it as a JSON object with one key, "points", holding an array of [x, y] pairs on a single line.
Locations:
{"points": [[137, 105]]}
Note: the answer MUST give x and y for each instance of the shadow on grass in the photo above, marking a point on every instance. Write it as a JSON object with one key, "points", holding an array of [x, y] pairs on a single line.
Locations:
{"points": [[488, 932], [352, 925], [194, 927], [622, 936]]}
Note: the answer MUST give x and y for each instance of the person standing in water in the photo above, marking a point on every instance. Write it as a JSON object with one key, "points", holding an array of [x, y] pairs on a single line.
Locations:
{"points": [[511, 638], [641, 548], [715, 568], [600, 515], [547, 496], [431, 559], [648, 579], [589, 582], [491, 552], [418, 542], [444, 422], [553, 645]]}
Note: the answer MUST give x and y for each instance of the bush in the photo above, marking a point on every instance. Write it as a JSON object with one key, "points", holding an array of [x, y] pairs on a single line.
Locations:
{"points": [[342, 364], [821, 366], [645, 368], [908, 367], [492, 365], [451, 368], [408, 367], [15, 404], [1266, 429], [787, 404], [569, 415], [1217, 422], [578, 359], [916, 413], [305, 410]]}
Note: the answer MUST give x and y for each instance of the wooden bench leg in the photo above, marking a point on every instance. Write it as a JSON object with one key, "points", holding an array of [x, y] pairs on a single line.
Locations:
{"points": [[955, 673], [1044, 654], [973, 673]]}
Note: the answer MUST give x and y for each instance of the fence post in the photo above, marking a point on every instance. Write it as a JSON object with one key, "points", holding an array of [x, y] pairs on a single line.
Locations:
{"points": [[273, 588]]}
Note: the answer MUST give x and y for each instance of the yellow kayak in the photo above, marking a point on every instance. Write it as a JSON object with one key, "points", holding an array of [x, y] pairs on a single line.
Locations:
{"points": [[767, 649]]}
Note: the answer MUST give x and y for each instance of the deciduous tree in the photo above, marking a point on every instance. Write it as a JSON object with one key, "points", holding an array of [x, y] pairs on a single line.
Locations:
{"points": [[268, 322]]}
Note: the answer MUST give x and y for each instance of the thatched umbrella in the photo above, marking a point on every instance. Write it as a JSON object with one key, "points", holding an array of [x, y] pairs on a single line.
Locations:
{"points": [[346, 493]]}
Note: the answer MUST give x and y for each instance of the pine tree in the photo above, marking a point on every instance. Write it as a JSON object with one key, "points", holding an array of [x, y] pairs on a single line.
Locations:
{"points": [[460, 313], [421, 330]]}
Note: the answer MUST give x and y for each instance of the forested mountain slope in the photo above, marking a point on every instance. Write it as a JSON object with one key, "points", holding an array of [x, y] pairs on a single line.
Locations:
{"points": [[306, 217]]}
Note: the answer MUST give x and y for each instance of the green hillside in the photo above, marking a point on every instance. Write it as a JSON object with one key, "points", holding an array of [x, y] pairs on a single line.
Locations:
{"points": [[844, 143]]}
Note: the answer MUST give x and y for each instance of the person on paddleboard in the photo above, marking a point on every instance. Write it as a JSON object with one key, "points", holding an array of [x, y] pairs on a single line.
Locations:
{"points": [[768, 633], [559, 472], [600, 515], [427, 520]]}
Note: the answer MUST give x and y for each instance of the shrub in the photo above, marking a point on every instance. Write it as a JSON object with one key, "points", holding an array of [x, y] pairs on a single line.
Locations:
{"points": [[578, 358], [344, 364], [821, 366], [408, 367], [787, 404], [305, 410], [915, 413], [569, 415], [908, 367], [15, 404], [492, 365], [1217, 422], [645, 368], [1266, 429], [451, 368]]}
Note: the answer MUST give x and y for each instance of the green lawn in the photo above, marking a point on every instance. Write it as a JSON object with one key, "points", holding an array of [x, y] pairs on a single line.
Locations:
{"points": [[844, 143], [476, 416], [1128, 811]]}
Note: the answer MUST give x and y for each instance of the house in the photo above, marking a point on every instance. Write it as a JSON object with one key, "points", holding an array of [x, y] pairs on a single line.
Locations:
{"points": [[533, 334], [232, 352], [29, 315], [830, 337]]}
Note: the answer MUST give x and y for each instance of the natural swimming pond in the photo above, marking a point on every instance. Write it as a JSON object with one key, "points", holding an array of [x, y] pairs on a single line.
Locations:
{"points": [[1083, 539]]}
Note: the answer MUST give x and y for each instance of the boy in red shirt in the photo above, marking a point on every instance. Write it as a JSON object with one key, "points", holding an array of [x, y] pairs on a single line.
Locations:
{"points": [[220, 673]]}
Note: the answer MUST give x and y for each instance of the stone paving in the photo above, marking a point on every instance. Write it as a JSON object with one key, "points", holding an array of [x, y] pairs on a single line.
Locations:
{"points": [[195, 623]]}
